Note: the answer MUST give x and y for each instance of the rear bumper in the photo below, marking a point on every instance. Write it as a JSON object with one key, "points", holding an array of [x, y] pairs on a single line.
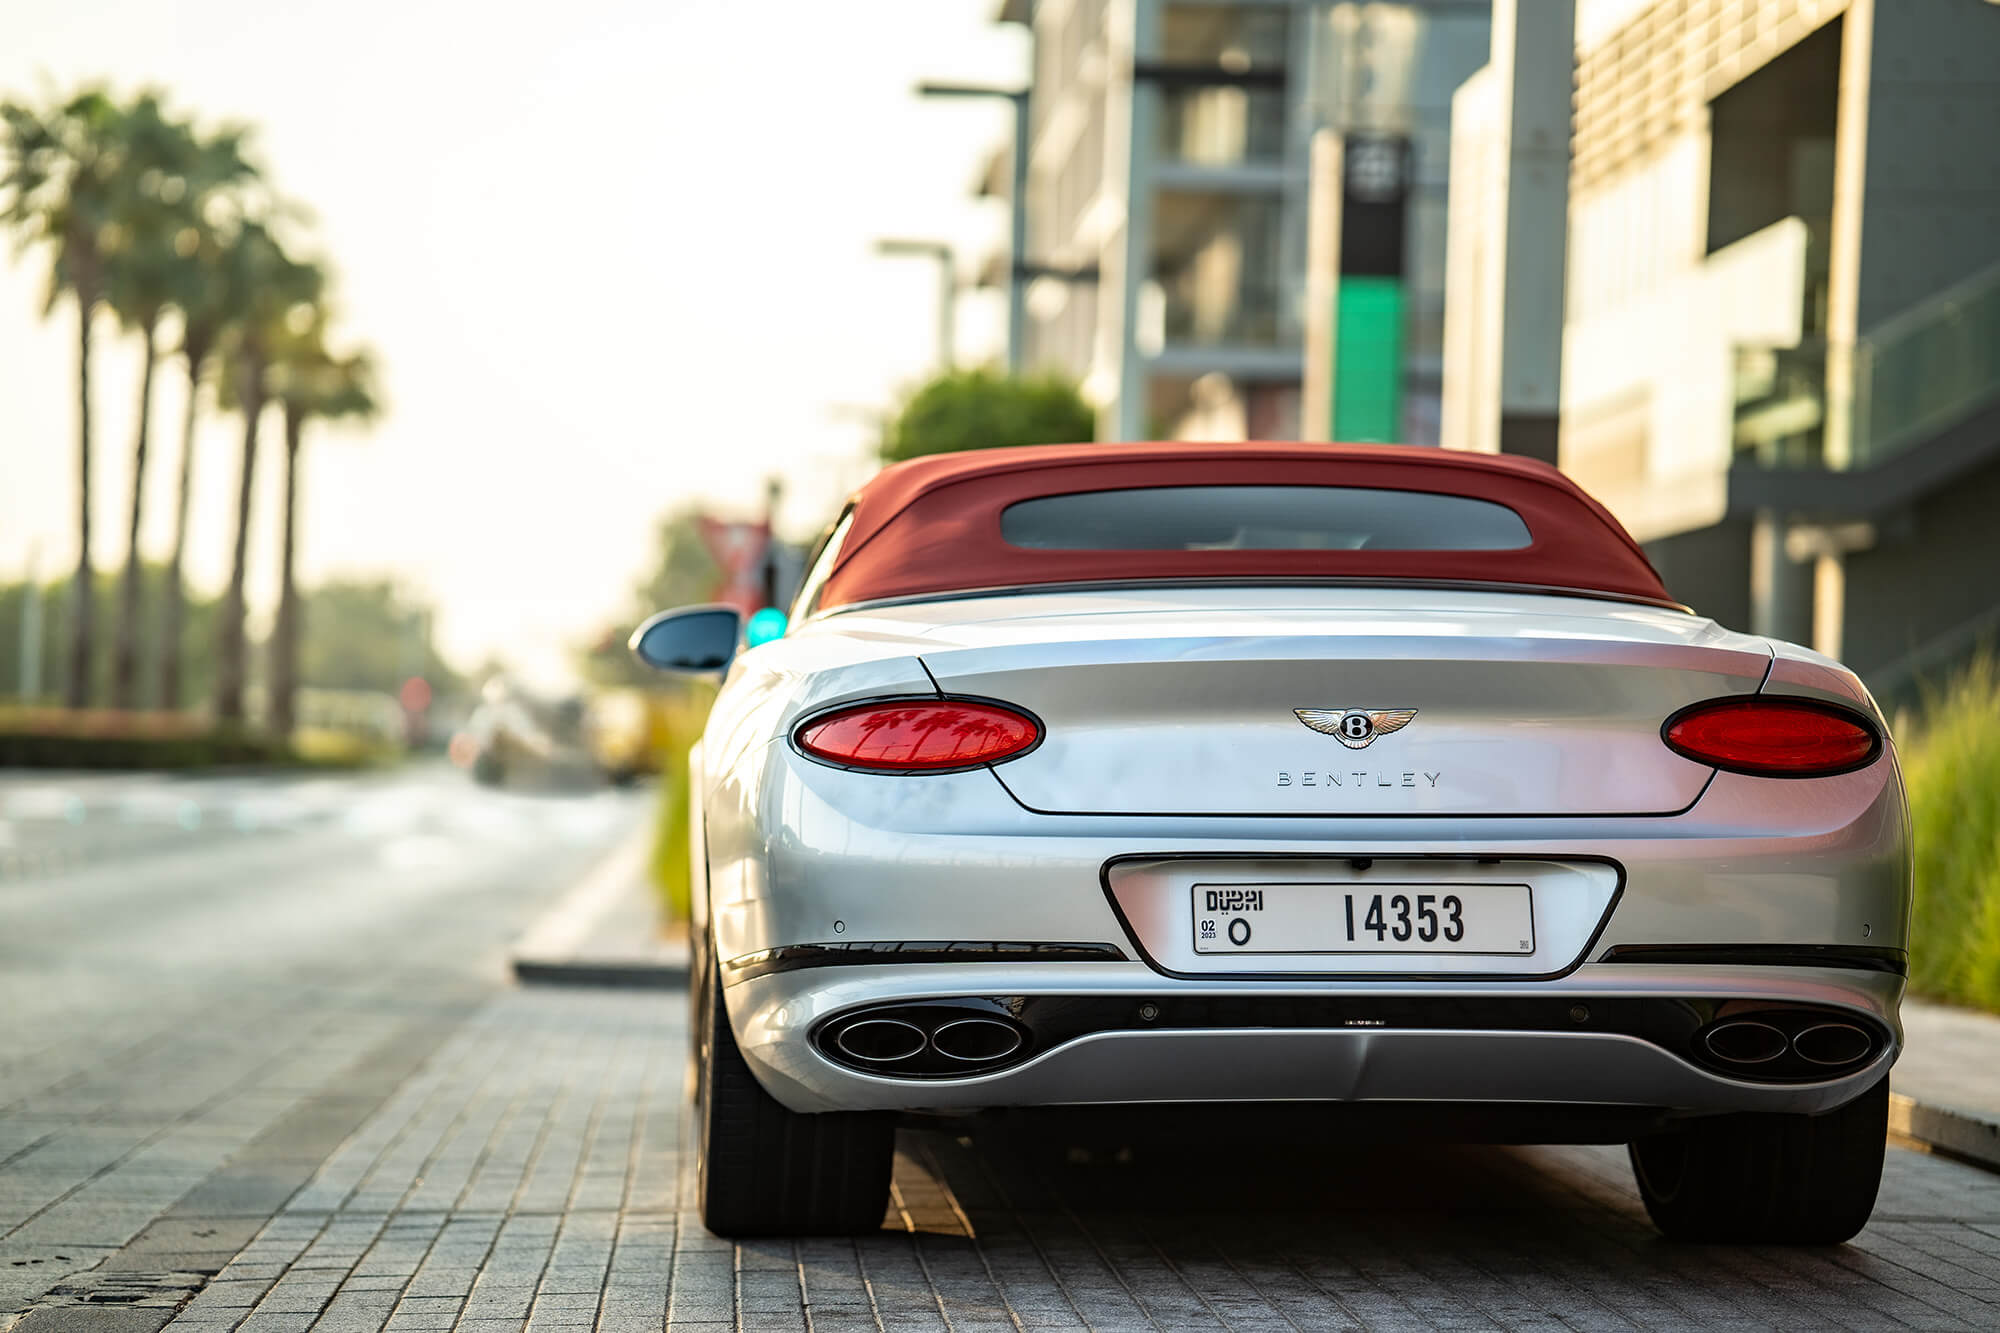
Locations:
{"points": [[777, 1016]]}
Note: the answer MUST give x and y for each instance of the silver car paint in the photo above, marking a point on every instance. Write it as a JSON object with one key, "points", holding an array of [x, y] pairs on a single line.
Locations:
{"points": [[792, 851], [1187, 707]]}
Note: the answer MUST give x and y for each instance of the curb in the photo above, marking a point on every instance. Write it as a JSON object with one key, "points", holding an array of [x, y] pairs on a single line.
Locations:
{"points": [[585, 972], [1961, 1134], [547, 954]]}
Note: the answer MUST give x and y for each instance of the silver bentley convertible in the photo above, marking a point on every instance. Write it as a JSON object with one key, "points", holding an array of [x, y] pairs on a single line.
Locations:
{"points": [[1389, 783]]}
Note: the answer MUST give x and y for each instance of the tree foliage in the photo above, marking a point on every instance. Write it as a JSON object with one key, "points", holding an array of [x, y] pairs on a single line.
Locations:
{"points": [[984, 409], [684, 573], [62, 182], [359, 634], [139, 211], [368, 634], [310, 383]]}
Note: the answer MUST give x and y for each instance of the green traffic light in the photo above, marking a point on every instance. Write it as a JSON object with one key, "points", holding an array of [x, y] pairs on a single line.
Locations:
{"points": [[764, 626]]}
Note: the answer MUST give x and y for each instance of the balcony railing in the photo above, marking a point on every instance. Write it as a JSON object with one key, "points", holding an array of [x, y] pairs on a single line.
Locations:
{"points": [[1853, 406], [1927, 368]]}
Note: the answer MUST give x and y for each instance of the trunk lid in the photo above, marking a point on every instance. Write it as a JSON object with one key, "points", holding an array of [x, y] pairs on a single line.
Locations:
{"points": [[1189, 702]]}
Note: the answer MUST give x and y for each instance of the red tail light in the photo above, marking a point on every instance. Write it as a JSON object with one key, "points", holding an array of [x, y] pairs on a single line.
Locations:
{"points": [[919, 735], [1773, 737]]}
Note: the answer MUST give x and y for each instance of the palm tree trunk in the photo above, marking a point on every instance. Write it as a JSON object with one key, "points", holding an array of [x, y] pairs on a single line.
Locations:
{"points": [[76, 689], [285, 635], [125, 653], [231, 651], [170, 620]]}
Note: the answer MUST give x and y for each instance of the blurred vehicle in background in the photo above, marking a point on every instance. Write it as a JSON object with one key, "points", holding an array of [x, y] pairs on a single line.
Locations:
{"points": [[512, 734], [618, 732], [516, 735]]}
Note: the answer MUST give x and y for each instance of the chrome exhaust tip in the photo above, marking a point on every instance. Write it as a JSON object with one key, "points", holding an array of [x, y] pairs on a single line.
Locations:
{"points": [[1745, 1041], [926, 1039], [976, 1040], [1831, 1044], [880, 1040]]}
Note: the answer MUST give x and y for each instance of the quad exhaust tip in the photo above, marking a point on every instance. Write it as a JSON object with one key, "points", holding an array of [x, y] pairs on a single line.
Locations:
{"points": [[926, 1040], [879, 1041], [1832, 1044], [1814, 1047], [1746, 1042], [976, 1040]]}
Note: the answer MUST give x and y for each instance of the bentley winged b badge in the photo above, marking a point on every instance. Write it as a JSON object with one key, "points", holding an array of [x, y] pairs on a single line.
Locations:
{"points": [[1355, 728]]}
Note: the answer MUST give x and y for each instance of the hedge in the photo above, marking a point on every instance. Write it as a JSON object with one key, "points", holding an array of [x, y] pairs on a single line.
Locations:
{"points": [[107, 738], [1952, 764]]}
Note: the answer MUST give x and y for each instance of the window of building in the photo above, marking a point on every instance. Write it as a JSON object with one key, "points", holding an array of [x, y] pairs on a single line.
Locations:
{"points": [[1217, 261], [1234, 36]]}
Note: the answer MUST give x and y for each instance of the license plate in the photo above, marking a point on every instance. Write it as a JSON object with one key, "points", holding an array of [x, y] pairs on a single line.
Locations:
{"points": [[1376, 918]]}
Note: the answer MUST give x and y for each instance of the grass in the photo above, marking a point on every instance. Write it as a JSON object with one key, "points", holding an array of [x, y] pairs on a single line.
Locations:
{"points": [[1953, 769], [326, 747], [676, 721]]}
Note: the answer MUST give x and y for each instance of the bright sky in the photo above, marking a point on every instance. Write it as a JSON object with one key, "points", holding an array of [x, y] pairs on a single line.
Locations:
{"points": [[613, 255]]}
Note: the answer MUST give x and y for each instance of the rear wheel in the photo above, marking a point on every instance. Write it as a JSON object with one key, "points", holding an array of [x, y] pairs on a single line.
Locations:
{"points": [[1761, 1178], [762, 1170]]}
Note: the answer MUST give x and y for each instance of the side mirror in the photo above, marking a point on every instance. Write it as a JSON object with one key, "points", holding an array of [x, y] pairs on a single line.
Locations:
{"points": [[695, 639], [764, 626]]}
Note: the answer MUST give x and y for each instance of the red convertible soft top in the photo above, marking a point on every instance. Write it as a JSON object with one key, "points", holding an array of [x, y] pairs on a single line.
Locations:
{"points": [[932, 525]]}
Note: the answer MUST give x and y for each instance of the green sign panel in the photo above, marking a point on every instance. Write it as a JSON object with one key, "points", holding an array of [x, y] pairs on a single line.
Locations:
{"points": [[1368, 360]]}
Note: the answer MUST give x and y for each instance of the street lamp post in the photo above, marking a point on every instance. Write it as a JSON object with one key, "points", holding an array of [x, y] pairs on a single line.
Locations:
{"points": [[1017, 278], [947, 304]]}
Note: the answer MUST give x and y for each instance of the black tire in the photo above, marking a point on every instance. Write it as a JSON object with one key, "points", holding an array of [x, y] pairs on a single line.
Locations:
{"points": [[1767, 1179], [761, 1170]]}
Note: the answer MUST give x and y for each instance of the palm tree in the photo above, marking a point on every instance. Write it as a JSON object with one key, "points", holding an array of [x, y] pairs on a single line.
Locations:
{"points": [[311, 384], [265, 285], [61, 183], [153, 208], [201, 293]]}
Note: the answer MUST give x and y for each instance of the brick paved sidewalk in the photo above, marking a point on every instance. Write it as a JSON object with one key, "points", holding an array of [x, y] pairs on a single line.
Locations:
{"points": [[531, 1175]]}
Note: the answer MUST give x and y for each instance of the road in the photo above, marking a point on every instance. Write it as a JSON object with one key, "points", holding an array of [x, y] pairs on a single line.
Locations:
{"points": [[261, 1068], [206, 984]]}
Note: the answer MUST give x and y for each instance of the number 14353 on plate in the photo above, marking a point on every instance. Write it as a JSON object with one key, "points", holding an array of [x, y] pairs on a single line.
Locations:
{"points": [[1374, 918]]}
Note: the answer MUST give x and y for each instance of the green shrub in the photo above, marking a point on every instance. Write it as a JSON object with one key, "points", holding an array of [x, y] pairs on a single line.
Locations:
{"points": [[677, 720], [105, 738], [1953, 768], [984, 409], [333, 748]]}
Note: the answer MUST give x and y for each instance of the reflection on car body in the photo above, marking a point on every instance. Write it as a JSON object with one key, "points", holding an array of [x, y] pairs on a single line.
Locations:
{"points": [[1155, 774]]}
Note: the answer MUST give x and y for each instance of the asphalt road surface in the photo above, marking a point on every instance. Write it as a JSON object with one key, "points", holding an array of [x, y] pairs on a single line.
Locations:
{"points": [[260, 1068]]}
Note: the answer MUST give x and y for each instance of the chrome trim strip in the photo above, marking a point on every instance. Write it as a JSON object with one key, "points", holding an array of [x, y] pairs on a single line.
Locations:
{"points": [[1895, 962], [853, 953]]}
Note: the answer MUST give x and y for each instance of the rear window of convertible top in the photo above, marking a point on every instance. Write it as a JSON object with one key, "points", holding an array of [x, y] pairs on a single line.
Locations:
{"points": [[1261, 518]]}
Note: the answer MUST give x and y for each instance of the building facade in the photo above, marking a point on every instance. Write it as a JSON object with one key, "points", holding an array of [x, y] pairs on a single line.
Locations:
{"points": [[1781, 361], [1168, 196]]}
